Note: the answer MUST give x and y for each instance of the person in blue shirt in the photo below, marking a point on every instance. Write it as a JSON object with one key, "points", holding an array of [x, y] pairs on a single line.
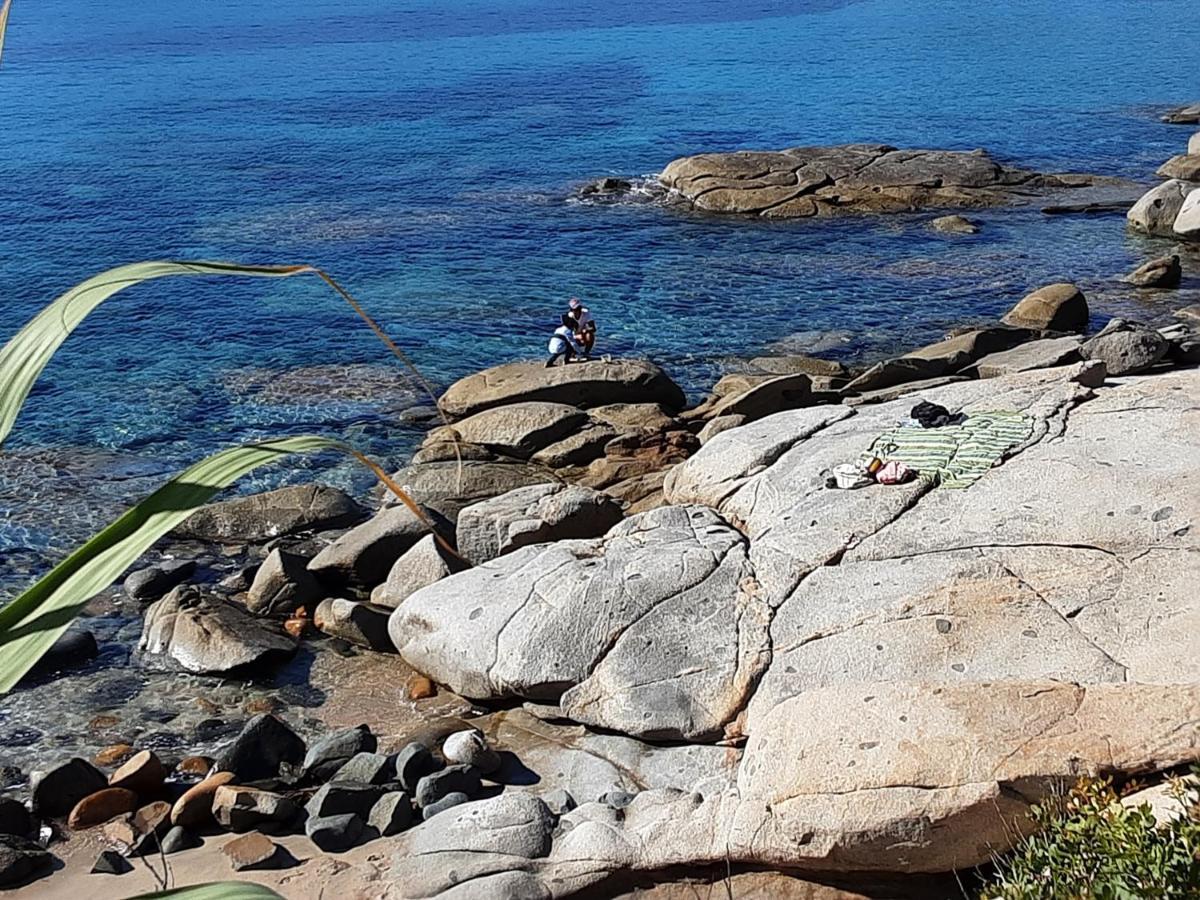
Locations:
{"points": [[563, 344]]}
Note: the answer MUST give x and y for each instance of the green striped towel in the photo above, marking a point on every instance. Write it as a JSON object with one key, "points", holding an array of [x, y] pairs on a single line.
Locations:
{"points": [[954, 456]]}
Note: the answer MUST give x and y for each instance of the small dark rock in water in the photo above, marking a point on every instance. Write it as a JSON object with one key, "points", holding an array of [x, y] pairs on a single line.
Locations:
{"points": [[14, 817], [413, 763], [178, 839], [335, 749], [336, 834], [606, 186], [391, 814], [617, 799], [213, 729], [75, 647], [11, 776], [110, 862], [452, 779], [152, 582], [112, 692], [20, 737], [256, 851], [20, 858], [339, 797], [57, 791], [1164, 272], [560, 802], [263, 747], [456, 798], [367, 768]]}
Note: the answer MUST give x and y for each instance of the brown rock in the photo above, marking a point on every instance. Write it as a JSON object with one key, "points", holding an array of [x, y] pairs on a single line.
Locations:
{"points": [[101, 722], [242, 808], [113, 755], [1185, 167], [1164, 272], [120, 831], [421, 688], [195, 806], [194, 765], [1055, 307], [153, 818], [143, 774], [296, 627], [255, 851], [205, 705], [256, 705], [98, 808]]}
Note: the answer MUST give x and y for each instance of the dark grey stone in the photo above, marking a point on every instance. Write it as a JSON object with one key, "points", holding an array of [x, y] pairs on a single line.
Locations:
{"points": [[341, 797], [391, 814], [20, 858], [14, 817], [452, 779], [413, 763], [110, 862], [153, 582], [178, 839], [57, 791], [265, 745], [336, 834], [367, 768], [334, 750], [457, 798], [74, 648]]}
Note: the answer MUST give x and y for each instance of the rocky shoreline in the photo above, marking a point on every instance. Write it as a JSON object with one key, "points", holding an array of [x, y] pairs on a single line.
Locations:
{"points": [[648, 647]]}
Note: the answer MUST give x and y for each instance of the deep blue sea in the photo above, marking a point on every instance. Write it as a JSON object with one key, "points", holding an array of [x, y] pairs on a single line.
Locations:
{"points": [[425, 151]]}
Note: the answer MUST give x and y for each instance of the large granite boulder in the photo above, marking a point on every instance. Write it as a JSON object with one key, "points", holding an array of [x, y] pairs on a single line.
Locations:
{"points": [[1156, 211], [447, 487], [830, 181], [201, 632], [423, 564], [364, 555], [1055, 307], [260, 517], [595, 383], [1187, 222], [536, 514], [1126, 347], [655, 630], [860, 779], [515, 429]]}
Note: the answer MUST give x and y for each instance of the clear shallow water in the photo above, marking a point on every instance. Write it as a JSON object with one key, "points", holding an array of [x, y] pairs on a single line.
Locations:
{"points": [[424, 153]]}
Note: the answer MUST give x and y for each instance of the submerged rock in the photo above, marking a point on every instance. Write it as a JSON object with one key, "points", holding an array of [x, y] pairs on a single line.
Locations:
{"points": [[259, 517], [1164, 272], [582, 385], [202, 632], [954, 225]]}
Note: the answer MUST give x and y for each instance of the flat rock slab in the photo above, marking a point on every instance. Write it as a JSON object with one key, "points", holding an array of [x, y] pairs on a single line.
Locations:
{"points": [[853, 178], [654, 630], [260, 517], [595, 383], [517, 429], [1044, 354]]}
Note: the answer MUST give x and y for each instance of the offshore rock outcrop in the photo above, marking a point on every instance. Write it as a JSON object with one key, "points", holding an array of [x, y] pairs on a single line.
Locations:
{"points": [[854, 178]]}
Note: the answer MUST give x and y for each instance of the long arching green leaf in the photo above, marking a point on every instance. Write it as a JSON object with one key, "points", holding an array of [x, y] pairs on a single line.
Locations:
{"points": [[25, 356], [4, 8], [220, 890], [35, 619]]}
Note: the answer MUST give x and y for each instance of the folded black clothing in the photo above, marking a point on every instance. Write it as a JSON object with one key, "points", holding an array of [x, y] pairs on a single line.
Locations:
{"points": [[933, 415]]}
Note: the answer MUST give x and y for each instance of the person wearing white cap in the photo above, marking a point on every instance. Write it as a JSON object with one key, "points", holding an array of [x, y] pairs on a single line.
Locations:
{"points": [[563, 344], [585, 326]]}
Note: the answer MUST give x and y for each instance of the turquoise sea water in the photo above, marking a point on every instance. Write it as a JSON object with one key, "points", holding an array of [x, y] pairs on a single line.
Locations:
{"points": [[425, 153]]}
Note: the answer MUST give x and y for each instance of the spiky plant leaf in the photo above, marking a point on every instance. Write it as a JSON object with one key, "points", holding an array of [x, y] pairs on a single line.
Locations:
{"points": [[4, 7], [219, 890]]}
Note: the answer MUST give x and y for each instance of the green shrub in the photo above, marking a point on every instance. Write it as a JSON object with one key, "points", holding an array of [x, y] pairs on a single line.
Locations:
{"points": [[1092, 847]]}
